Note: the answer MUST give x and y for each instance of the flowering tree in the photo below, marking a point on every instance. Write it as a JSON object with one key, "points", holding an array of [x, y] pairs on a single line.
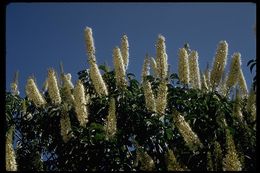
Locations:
{"points": [[109, 121]]}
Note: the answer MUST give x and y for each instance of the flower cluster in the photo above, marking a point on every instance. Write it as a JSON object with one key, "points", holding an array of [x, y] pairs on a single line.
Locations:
{"points": [[218, 157], [65, 126], [80, 104], [90, 44], [14, 85], [171, 162], [237, 108], [161, 99], [222, 87], [191, 139], [67, 89], [234, 70], [147, 163], [183, 68], [96, 78], [146, 68], [231, 160], [219, 64], [194, 70], [95, 75], [161, 57], [53, 88], [149, 96], [203, 82], [242, 83], [207, 76], [14, 89], [119, 68], [33, 93], [125, 50], [154, 66], [10, 160], [110, 126]]}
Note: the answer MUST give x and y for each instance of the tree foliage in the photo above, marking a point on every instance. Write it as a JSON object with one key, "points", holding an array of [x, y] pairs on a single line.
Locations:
{"points": [[143, 139]]}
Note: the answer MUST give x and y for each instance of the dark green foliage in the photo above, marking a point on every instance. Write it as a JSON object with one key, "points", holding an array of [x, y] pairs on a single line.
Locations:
{"points": [[252, 63], [89, 149]]}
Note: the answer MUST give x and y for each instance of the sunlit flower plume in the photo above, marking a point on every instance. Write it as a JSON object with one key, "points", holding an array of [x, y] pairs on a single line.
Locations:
{"points": [[33, 93], [119, 68], [125, 50], [80, 104], [161, 57], [219, 64], [53, 88], [194, 70], [183, 67]]}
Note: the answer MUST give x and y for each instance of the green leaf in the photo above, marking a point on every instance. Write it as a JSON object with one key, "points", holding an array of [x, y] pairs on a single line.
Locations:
{"points": [[249, 62], [104, 68], [129, 75], [252, 66], [169, 134]]}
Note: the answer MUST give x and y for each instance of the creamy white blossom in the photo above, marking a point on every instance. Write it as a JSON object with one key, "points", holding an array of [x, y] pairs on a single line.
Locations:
{"points": [[191, 139], [242, 83], [148, 93], [146, 68], [222, 88], [237, 108], [111, 121], [45, 85], [65, 125], [53, 88], [194, 70], [67, 89], [95, 75], [96, 78], [119, 68], [203, 82], [67, 81], [14, 84], [161, 99], [125, 50], [161, 58], [147, 163], [149, 96], [90, 44], [218, 156], [219, 63], [171, 162], [14, 89], [80, 104], [154, 66], [183, 67], [10, 158], [207, 76], [231, 160], [232, 78], [33, 93]]}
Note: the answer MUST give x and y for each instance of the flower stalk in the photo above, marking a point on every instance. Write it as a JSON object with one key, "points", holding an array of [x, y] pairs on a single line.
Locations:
{"points": [[125, 51], [80, 104], [161, 58], [219, 64], [119, 68], [194, 70], [183, 68], [33, 93]]}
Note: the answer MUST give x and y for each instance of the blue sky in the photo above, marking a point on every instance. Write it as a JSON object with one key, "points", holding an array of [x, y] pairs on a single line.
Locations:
{"points": [[40, 35]]}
